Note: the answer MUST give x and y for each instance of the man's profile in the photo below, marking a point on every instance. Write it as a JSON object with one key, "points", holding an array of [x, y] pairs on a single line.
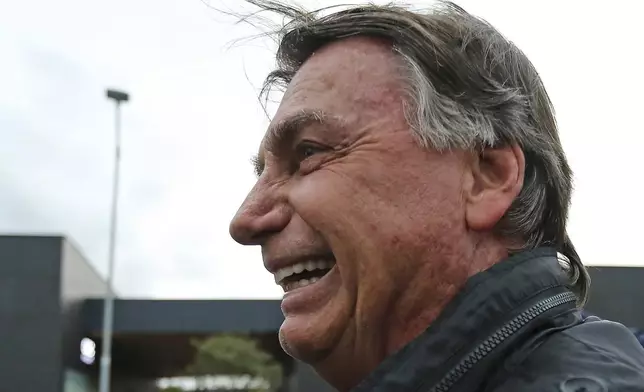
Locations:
{"points": [[411, 200]]}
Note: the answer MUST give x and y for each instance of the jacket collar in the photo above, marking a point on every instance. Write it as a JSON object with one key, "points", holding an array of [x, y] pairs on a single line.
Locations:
{"points": [[487, 300]]}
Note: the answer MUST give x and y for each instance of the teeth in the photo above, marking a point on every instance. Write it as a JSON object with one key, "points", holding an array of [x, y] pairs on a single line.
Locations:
{"points": [[310, 265], [299, 283]]}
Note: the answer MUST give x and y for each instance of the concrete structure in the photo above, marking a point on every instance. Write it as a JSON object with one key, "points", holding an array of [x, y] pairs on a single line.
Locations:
{"points": [[50, 301], [617, 293]]}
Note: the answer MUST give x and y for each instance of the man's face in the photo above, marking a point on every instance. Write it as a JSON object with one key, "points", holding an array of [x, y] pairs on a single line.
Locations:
{"points": [[358, 223]]}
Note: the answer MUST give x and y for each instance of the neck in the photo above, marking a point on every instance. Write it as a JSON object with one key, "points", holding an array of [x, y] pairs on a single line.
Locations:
{"points": [[409, 313], [433, 287]]}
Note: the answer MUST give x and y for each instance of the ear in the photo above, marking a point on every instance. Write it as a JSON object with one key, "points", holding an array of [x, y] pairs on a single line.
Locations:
{"points": [[496, 180]]}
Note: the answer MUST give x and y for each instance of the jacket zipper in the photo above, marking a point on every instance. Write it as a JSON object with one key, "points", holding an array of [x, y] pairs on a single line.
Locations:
{"points": [[498, 337]]}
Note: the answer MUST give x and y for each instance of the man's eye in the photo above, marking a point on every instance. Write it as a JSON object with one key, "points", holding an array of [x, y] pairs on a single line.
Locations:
{"points": [[303, 152], [307, 150]]}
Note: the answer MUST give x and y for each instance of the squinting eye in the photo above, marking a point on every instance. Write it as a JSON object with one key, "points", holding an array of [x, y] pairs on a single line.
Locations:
{"points": [[305, 151], [305, 157], [308, 151]]}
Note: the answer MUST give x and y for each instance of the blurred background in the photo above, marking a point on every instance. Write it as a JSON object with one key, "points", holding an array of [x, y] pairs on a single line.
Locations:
{"points": [[188, 133]]}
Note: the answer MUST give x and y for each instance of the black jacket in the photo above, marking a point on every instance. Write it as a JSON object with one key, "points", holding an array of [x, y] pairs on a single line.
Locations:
{"points": [[515, 328]]}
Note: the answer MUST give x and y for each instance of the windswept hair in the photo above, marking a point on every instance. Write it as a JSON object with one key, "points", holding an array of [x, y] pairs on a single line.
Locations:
{"points": [[467, 87]]}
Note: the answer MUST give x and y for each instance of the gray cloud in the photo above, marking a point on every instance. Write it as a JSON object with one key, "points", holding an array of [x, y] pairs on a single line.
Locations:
{"points": [[190, 104], [194, 121]]}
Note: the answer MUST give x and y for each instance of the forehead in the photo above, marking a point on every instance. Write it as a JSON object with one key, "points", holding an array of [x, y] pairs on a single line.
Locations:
{"points": [[351, 71], [351, 80]]}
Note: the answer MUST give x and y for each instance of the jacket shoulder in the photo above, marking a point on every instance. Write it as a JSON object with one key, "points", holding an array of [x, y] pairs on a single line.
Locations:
{"points": [[593, 356]]}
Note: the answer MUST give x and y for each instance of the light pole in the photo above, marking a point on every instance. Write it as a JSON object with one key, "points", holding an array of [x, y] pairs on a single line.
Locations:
{"points": [[108, 309]]}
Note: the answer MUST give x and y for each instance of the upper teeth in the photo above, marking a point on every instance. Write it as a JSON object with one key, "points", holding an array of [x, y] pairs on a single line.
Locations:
{"points": [[310, 265]]}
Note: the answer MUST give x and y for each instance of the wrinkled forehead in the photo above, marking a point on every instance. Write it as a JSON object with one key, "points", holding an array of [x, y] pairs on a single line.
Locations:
{"points": [[347, 82], [351, 68]]}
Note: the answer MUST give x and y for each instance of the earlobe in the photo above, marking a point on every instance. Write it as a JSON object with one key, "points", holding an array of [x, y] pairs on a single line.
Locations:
{"points": [[496, 180]]}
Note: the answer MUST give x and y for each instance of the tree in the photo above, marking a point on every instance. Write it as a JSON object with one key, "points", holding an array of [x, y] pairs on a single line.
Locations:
{"points": [[236, 355]]}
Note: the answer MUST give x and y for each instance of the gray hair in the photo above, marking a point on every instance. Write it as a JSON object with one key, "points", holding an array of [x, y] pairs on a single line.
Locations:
{"points": [[468, 87]]}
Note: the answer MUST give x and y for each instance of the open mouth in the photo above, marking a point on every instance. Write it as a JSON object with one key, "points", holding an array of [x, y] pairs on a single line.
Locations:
{"points": [[303, 274]]}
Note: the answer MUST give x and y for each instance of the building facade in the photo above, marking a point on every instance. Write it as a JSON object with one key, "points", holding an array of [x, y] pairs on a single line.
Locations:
{"points": [[51, 315]]}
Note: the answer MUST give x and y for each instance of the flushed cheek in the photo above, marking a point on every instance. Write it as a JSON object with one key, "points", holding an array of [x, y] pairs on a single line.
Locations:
{"points": [[349, 216], [322, 200], [325, 206]]}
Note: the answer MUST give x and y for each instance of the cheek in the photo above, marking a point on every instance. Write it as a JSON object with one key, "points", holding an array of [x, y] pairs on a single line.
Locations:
{"points": [[381, 209], [387, 204], [322, 199], [342, 214]]}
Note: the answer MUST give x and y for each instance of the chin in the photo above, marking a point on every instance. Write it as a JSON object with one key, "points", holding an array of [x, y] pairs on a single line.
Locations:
{"points": [[305, 341], [316, 318]]}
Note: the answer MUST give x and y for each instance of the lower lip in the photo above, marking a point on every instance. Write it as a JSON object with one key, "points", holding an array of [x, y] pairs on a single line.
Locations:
{"points": [[307, 298]]}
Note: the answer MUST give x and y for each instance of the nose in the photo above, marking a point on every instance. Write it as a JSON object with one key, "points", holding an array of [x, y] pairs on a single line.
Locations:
{"points": [[261, 215]]}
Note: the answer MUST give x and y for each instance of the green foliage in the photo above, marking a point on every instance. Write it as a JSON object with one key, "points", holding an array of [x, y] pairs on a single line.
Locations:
{"points": [[172, 389], [235, 355]]}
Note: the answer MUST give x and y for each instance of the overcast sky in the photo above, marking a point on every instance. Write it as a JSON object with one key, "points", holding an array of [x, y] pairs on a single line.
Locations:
{"points": [[194, 121]]}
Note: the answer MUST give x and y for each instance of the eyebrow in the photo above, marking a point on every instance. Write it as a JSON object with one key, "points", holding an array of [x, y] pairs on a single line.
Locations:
{"points": [[287, 129]]}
